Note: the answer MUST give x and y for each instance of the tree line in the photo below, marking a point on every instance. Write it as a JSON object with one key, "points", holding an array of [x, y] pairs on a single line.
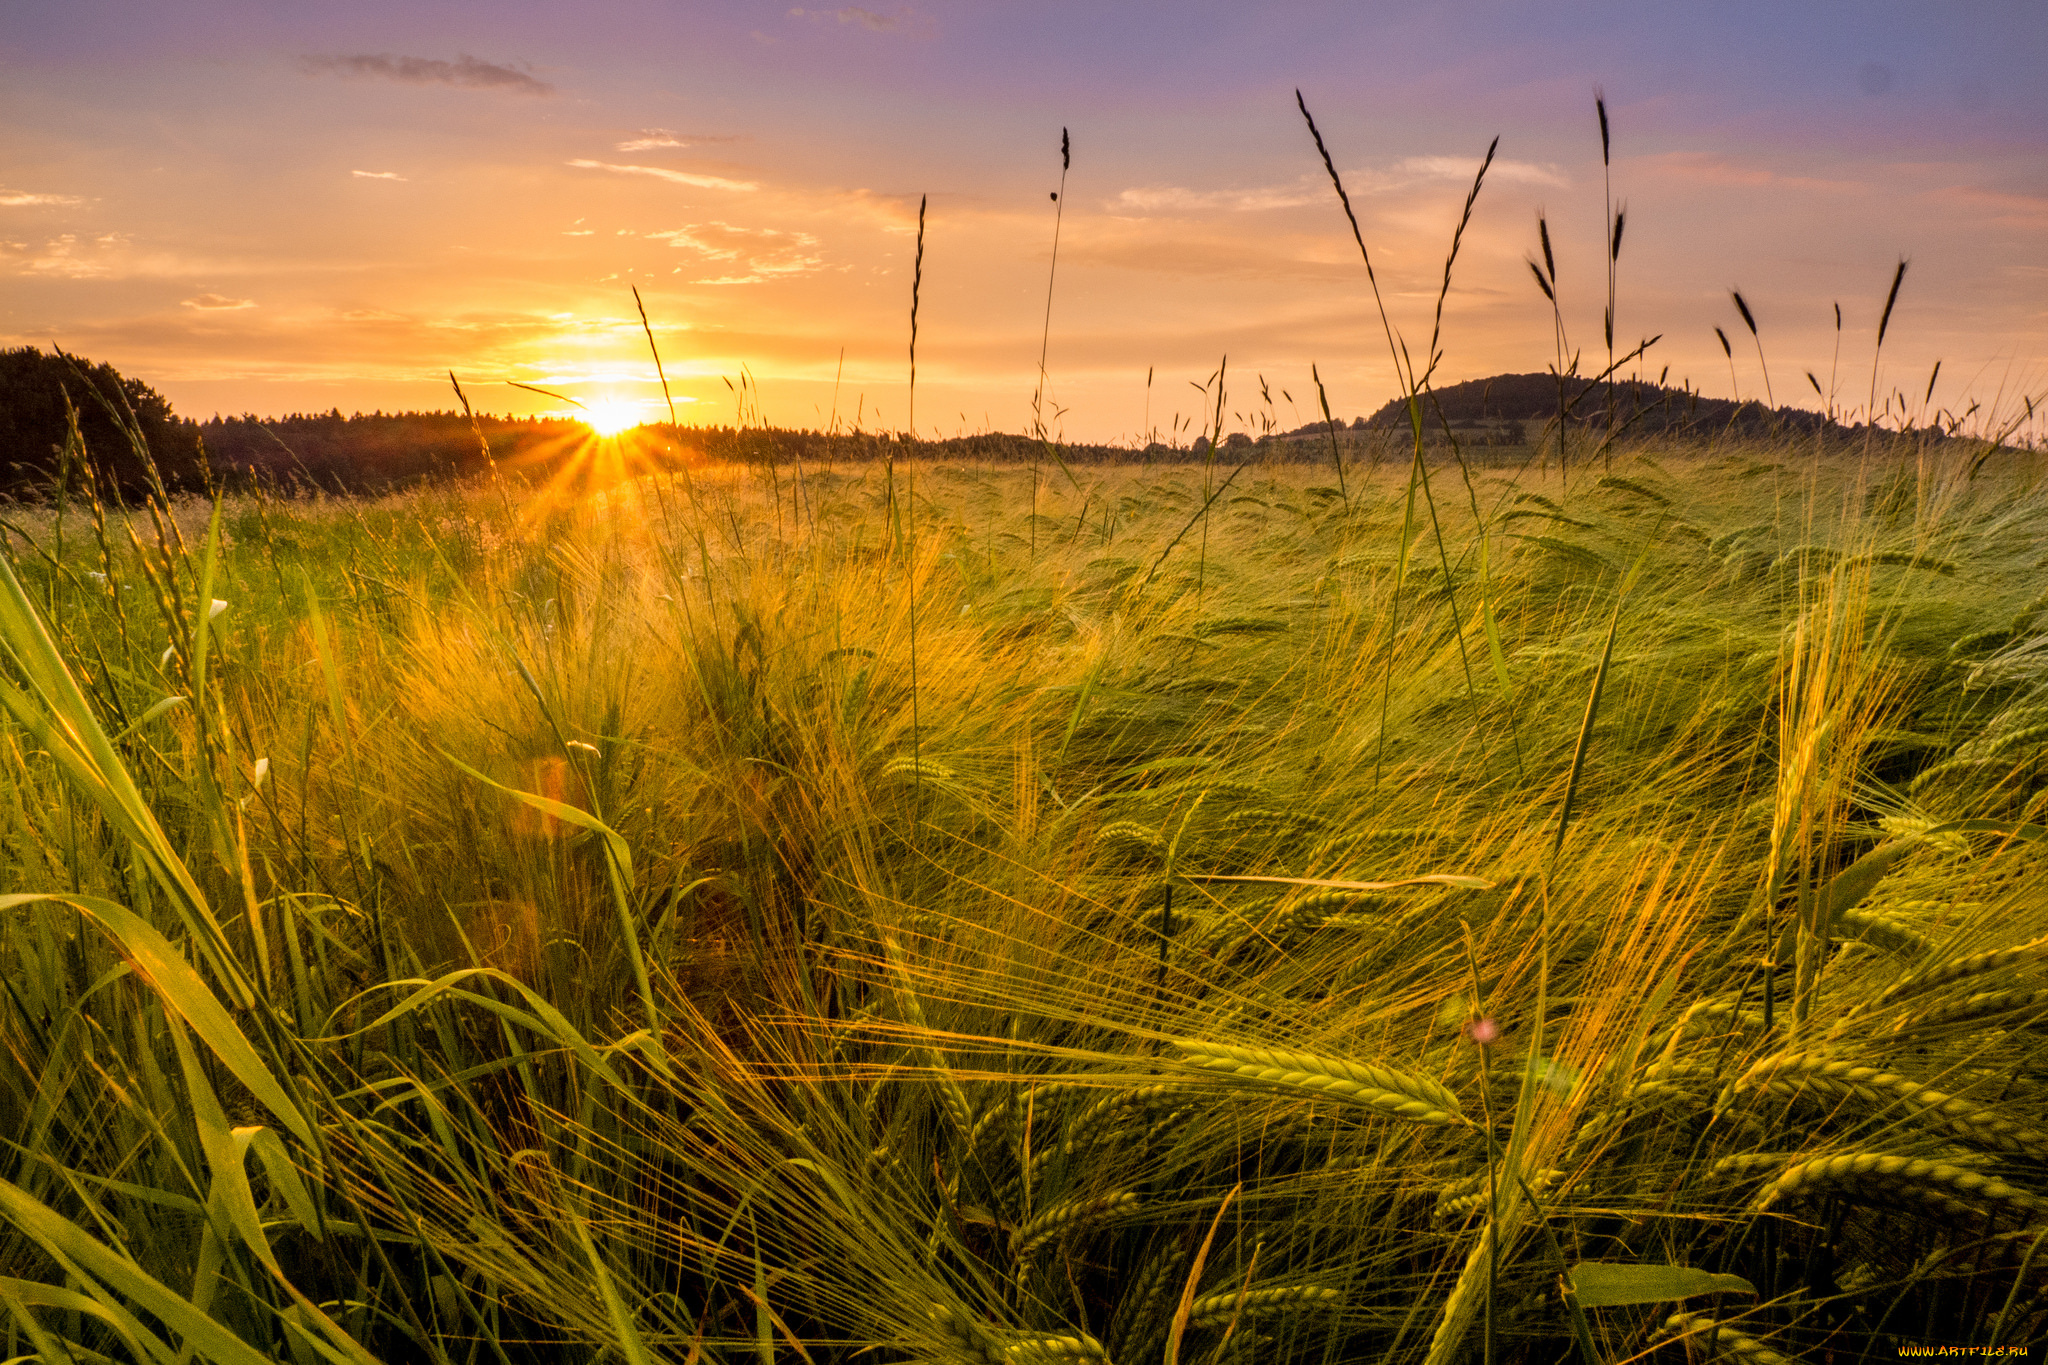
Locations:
{"points": [[67, 420]]}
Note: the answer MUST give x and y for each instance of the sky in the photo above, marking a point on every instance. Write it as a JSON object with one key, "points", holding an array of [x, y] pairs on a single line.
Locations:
{"points": [[270, 206]]}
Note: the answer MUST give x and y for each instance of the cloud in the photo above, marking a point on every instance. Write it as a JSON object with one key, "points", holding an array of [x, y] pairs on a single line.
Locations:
{"points": [[854, 14], [217, 303], [15, 199], [756, 255], [690, 238], [1992, 206], [649, 138], [377, 175], [702, 182], [1158, 248], [1706, 168], [1464, 168], [372, 315], [465, 70], [1178, 199], [68, 257], [1143, 200]]}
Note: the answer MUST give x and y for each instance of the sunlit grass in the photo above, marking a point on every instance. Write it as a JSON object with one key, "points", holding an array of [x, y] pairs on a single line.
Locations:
{"points": [[523, 924]]}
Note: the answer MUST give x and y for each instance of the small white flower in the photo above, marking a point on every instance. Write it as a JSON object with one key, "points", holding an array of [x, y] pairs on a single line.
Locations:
{"points": [[216, 609], [95, 575], [260, 771]]}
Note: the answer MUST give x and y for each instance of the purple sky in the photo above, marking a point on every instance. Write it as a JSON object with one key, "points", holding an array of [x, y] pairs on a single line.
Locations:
{"points": [[270, 207]]}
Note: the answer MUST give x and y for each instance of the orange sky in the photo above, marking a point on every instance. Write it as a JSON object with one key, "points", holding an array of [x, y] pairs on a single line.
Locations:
{"points": [[260, 209]]}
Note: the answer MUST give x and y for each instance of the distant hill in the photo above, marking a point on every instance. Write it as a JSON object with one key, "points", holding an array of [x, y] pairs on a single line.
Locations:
{"points": [[1507, 404], [1515, 409]]}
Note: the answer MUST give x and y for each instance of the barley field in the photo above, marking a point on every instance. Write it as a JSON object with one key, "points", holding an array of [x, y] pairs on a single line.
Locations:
{"points": [[1228, 913]]}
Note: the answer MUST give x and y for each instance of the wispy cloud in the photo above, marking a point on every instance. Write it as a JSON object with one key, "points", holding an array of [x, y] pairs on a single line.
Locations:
{"points": [[466, 71], [1178, 199], [649, 138], [756, 255], [217, 303], [377, 175], [854, 14], [1707, 168], [691, 238], [1163, 246], [16, 199], [1993, 206], [72, 257], [702, 182], [1145, 200], [1464, 168]]}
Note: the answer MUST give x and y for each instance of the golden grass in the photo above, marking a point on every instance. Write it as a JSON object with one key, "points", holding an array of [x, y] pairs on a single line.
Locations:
{"points": [[1130, 1000]]}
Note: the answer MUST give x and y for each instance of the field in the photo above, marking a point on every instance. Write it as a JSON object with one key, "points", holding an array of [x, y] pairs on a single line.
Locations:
{"points": [[1265, 913]]}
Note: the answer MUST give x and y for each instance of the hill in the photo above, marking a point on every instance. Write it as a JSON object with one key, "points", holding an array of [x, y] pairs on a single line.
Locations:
{"points": [[1509, 403]]}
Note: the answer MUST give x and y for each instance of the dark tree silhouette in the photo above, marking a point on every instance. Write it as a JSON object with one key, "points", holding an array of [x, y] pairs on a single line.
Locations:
{"points": [[34, 386]]}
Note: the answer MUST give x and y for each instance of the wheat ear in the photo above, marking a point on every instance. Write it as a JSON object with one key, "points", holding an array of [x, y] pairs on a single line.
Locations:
{"points": [[1886, 931], [1467, 1297], [1974, 965], [1140, 1329], [1109, 1104], [974, 1341], [1080, 1346], [1070, 1214], [1983, 1005], [1214, 1310], [951, 1096], [1454, 1206], [1699, 1017], [1378, 1088], [967, 1337], [1130, 1139], [1723, 1340], [1873, 1086], [1934, 1182]]}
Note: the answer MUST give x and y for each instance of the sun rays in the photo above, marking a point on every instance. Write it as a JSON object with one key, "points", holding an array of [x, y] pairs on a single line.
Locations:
{"points": [[587, 462]]}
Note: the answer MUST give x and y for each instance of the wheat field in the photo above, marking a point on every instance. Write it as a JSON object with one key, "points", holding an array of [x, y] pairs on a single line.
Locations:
{"points": [[1461, 915]]}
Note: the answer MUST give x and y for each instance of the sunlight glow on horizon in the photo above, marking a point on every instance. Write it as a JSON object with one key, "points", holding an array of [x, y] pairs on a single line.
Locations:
{"points": [[609, 417], [733, 195]]}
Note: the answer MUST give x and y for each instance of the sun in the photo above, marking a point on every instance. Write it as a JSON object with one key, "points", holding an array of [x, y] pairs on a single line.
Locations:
{"points": [[608, 418]]}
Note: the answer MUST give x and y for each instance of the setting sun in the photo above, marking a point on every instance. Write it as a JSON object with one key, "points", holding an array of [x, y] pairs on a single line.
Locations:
{"points": [[609, 418]]}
